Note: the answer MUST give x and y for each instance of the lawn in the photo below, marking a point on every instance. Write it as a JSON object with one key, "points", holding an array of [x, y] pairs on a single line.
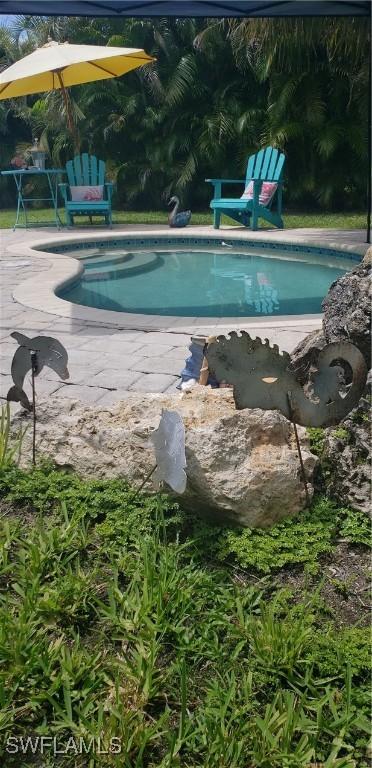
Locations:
{"points": [[131, 625], [355, 220]]}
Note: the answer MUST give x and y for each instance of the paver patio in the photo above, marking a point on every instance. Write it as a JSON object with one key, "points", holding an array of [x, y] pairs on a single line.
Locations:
{"points": [[107, 362]]}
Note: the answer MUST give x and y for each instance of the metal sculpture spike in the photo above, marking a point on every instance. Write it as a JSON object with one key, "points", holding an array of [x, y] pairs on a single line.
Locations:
{"points": [[169, 444], [32, 355], [262, 378]]}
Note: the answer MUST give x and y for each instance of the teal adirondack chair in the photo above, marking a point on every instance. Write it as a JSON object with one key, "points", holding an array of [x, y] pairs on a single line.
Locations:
{"points": [[266, 165], [86, 170]]}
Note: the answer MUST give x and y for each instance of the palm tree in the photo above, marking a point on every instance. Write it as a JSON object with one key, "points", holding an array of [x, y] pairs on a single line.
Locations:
{"points": [[216, 93], [317, 76], [170, 125], [14, 129]]}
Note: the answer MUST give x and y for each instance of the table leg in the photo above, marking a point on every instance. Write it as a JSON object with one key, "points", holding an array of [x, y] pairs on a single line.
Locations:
{"points": [[54, 197], [20, 201]]}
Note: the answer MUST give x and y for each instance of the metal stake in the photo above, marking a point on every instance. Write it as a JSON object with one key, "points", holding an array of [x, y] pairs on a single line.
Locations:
{"points": [[34, 369], [144, 482], [303, 474]]}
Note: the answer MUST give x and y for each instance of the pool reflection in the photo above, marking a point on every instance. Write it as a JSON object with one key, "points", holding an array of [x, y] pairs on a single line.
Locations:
{"points": [[204, 283]]}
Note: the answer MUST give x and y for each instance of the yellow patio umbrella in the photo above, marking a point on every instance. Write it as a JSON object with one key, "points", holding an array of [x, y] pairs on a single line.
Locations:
{"points": [[57, 66]]}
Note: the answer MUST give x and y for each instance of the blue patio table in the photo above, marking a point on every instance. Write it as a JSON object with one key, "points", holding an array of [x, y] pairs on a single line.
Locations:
{"points": [[52, 174]]}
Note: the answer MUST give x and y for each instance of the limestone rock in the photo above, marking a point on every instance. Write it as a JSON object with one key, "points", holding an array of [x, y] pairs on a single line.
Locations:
{"points": [[367, 260], [242, 466], [347, 310], [347, 317], [347, 459]]}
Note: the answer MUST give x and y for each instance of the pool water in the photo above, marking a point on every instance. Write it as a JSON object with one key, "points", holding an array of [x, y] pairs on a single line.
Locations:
{"points": [[221, 282]]}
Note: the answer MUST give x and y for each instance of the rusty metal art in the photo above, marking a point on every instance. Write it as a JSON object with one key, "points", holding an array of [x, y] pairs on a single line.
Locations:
{"points": [[262, 378], [31, 356]]}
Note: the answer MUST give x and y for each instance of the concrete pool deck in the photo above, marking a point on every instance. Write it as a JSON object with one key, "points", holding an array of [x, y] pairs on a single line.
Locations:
{"points": [[111, 354]]}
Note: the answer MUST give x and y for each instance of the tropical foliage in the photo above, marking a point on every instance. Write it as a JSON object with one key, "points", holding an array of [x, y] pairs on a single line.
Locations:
{"points": [[217, 92]]}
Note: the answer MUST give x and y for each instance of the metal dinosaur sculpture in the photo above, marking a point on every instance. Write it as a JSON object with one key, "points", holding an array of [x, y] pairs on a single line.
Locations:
{"points": [[262, 378], [33, 355]]}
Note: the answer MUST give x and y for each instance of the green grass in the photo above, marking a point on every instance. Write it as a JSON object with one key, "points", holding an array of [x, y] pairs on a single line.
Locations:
{"points": [[327, 220], [124, 618]]}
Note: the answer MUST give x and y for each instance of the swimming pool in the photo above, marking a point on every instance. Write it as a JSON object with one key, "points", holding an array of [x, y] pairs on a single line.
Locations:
{"points": [[204, 278]]}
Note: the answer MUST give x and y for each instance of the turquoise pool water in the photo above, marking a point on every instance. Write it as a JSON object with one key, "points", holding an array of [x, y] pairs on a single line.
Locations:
{"points": [[204, 282]]}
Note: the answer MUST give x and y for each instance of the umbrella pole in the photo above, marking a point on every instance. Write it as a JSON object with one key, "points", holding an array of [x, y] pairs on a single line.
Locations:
{"points": [[70, 119]]}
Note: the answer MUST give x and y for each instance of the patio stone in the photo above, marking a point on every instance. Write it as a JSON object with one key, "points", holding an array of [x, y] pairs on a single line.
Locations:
{"points": [[173, 388], [173, 339], [62, 325], [113, 379], [79, 374], [44, 387], [12, 318], [155, 350], [113, 397], [153, 382], [118, 362], [32, 328], [33, 316], [112, 346], [82, 356], [80, 392], [5, 364], [160, 365], [7, 348], [69, 340], [93, 331], [6, 382], [88, 333]]}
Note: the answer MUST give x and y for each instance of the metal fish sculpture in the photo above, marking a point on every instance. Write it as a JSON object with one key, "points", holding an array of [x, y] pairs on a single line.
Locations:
{"points": [[262, 378], [34, 354], [169, 444]]}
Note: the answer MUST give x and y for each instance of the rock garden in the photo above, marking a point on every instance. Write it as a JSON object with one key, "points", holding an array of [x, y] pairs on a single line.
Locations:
{"points": [[227, 626]]}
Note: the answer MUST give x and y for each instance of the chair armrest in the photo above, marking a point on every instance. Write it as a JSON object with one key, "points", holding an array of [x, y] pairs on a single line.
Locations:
{"points": [[217, 185], [63, 189], [109, 187], [226, 181]]}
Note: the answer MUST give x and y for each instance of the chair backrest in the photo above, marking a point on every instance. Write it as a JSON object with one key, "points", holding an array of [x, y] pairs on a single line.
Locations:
{"points": [[85, 171], [266, 165]]}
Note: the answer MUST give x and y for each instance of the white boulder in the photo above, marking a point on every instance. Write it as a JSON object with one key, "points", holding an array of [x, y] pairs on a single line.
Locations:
{"points": [[242, 466]]}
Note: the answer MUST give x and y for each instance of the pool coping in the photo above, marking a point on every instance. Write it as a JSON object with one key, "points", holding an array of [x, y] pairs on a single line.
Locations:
{"points": [[64, 269]]}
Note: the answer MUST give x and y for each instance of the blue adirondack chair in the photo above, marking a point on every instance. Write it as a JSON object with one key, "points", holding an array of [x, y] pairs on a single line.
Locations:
{"points": [[86, 170], [266, 165]]}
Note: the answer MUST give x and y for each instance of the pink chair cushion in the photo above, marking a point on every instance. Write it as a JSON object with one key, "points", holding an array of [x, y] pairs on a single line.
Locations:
{"points": [[88, 194], [268, 190]]}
